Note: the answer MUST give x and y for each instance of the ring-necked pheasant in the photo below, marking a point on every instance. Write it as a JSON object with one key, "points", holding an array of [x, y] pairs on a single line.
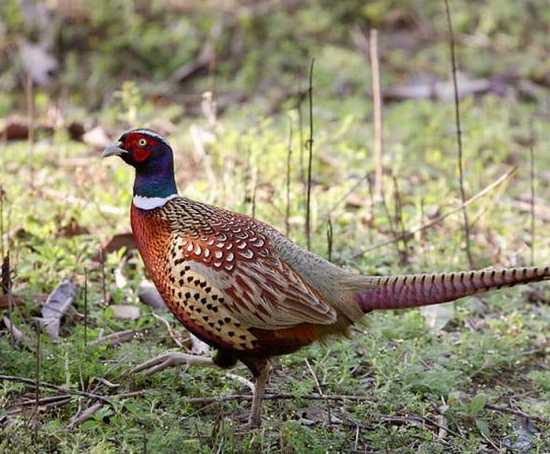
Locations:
{"points": [[249, 292]]}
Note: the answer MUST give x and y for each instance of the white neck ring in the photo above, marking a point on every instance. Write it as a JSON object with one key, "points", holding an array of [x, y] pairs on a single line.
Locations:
{"points": [[150, 203]]}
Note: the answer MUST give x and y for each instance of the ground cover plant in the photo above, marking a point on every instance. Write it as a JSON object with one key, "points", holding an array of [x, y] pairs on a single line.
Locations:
{"points": [[228, 86]]}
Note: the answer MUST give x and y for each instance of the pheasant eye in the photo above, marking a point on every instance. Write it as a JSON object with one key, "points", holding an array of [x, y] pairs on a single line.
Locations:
{"points": [[142, 142]]}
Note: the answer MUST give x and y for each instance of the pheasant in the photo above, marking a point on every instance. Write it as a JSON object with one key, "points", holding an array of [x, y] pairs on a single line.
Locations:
{"points": [[245, 289]]}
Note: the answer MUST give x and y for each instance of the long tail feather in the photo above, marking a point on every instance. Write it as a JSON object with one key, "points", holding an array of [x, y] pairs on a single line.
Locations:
{"points": [[414, 290]]}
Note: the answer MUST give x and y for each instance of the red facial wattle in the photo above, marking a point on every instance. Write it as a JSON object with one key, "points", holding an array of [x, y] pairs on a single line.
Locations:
{"points": [[140, 154]]}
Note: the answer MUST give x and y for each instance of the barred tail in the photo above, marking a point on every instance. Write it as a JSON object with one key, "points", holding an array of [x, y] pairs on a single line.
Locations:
{"points": [[414, 290]]}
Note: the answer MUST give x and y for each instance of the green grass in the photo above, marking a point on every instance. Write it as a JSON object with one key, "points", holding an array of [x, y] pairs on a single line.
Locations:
{"points": [[497, 350], [408, 379]]}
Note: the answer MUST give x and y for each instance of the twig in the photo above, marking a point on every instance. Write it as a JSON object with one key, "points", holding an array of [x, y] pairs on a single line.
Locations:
{"points": [[370, 187], [319, 390], [399, 220], [2, 197], [459, 137], [83, 416], [85, 307], [345, 196], [103, 277], [43, 400], [491, 442], [16, 333], [532, 179], [517, 413], [418, 418], [30, 119], [255, 177], [302, 143], [31, 382], [241, 380], [6, 286], [436, 221], [395, 235], [310, 158], [288, 167], [377, 104], [37, 374], [116, 338], [329, 239], [171, 332], [240, 397]]}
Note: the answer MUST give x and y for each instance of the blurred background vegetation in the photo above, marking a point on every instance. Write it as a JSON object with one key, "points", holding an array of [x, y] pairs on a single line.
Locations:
{"points": [[176, 49], [226, 81]]}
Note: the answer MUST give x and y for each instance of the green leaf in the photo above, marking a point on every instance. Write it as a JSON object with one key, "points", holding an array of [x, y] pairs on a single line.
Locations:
{"points": [[482, 426], [477, 404]]}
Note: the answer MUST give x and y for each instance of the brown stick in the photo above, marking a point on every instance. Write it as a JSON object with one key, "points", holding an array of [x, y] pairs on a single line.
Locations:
{"points": [[399, 220], [310, 158], [85, 308], [2, 197], [459, 137], [283, 396], [86, 414], [30, 119], [517, 413], [329, 239], [319, 389], [37, 367], [288, 168], [532, 180], [302, 143], [377, 105], [31, 382]]}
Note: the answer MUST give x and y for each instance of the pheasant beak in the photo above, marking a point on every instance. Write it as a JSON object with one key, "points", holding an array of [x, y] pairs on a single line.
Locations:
{"points": [[114, 150]]}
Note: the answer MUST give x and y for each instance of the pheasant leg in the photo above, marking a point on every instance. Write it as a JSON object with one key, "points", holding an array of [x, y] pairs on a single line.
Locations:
{"points": [[255, 418]]}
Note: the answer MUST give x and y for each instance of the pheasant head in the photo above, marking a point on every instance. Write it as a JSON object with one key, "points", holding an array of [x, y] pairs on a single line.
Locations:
{"points": [[153, 160]]}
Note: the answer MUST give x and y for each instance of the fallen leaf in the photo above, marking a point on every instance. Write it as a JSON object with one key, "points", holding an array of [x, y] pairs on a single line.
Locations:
{"points": [[15, 130], [120, 279], [198, 347], [71, 229], [56, 306], [437, 316], [149, 295], [76, 131], [354, 200], [117, 242], [524, 437], [17, 333], [38, 62], [427, 87], [125, 311], [5, 302], [96, 137]]}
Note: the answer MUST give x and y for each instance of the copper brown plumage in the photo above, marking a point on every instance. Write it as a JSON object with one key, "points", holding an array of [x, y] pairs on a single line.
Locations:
{"points": [[245, 289]]}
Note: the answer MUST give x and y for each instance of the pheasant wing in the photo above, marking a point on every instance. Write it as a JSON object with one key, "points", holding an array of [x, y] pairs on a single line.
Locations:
{"points": [[234, 254]]}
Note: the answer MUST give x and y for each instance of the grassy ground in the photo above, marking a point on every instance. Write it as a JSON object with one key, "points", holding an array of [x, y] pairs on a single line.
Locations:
{"points": [[442, 380]]}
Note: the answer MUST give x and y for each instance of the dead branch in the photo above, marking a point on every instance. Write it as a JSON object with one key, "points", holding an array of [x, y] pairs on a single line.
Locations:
{"points": [[377, 105], [31, 382], [310, 158], [459, 137]]}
